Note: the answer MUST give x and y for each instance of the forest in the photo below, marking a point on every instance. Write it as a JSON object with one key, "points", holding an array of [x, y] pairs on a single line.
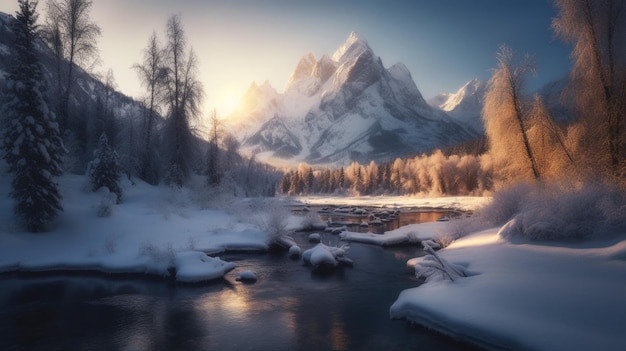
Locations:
{"points": [[50, 126]]}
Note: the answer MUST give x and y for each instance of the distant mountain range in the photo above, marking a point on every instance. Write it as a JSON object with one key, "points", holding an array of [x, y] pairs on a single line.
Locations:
{"points": [[342, 108], [465, 105]]}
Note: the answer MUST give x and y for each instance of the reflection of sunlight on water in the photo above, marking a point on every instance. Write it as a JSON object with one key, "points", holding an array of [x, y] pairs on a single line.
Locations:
{"points": [[246, 313], [402, 255], [144, 317], [338, 335]]}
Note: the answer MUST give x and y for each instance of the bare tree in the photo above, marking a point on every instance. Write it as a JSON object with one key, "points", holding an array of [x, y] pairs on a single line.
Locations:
{"points": [[213, 165], [51, 33], [152, 75], [506, 120], [184, 92], [597, 28], [72, 35]]}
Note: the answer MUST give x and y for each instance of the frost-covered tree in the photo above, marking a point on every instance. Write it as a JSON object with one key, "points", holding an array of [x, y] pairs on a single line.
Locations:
{"points": [[552, 152], [506, 118], [597, 28], [32, 146], [104, 170]]}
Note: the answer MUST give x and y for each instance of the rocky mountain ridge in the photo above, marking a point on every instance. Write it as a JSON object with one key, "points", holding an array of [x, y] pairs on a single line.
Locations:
{"points": [[342, 108]]}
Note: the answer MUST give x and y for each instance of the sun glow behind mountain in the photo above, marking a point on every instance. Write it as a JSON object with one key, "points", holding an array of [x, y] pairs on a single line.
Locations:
{"points": [[242, 41]]}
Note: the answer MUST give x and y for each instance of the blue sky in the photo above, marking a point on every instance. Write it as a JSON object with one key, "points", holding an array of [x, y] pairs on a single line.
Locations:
{"points": [[444, 43]]}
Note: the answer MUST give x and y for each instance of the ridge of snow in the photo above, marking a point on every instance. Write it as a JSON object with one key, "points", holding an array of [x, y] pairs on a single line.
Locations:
{"points": [[353, 47]]}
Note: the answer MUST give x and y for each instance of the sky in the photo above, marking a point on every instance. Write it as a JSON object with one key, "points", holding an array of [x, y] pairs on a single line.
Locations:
{"points": [[444, 43]]}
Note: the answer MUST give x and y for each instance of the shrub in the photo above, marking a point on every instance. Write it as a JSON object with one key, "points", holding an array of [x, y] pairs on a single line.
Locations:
{"points": [[560, 211]]}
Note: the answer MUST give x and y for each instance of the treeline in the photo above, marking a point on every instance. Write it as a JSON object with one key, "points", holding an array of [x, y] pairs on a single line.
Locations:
{"points": [[435, 174]]}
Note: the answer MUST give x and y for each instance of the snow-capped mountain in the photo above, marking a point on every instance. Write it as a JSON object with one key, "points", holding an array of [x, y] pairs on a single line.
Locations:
{"points": [[465, 105], [341, 108]]}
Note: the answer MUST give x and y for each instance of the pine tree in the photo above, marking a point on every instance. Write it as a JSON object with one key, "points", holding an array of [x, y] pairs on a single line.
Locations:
{"points": [[32, 146], [105, 169]]}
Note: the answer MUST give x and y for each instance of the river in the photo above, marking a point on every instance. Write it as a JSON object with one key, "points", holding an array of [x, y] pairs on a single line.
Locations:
{"points": [[288, 308]]}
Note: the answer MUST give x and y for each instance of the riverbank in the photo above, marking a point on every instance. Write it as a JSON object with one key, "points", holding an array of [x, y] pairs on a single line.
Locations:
{"points": [[156, 231], [526, 295]]}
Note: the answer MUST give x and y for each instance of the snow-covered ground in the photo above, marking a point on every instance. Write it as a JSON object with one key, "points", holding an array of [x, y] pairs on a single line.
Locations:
{"points": [[154, 230], [525, 295], [517, 294]]}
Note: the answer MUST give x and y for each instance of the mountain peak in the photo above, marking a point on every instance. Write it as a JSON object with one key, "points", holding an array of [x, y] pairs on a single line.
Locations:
{"points": [[355, 45], [344, 108], [465, 105], [304, 67]]}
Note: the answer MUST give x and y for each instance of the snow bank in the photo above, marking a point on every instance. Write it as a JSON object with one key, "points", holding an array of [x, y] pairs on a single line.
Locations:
{"points": [[525, 295], [409, 234]]}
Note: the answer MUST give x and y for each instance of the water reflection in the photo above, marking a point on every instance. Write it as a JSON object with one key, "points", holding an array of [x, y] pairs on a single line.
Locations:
{"points": [[357, 223], [289, 308]]}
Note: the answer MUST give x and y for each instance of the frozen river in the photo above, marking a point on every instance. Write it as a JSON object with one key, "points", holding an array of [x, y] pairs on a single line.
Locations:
{"points": [[288, 308]]}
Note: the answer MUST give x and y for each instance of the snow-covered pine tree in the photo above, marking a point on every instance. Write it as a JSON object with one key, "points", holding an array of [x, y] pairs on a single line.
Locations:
{"points": [[105, 169], [32, 146]]}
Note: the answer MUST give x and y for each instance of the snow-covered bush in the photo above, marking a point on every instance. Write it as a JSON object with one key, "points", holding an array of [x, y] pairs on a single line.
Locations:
{"points": [[156, 254], [506, 204], [107, 201], [560, 211], [313, 221], [272, 219]]}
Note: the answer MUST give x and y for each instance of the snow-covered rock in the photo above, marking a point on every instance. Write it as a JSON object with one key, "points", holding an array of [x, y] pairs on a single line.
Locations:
{"points": [[314, 237], [196, 266], [295, 251], [247, 276], [326, 256]]}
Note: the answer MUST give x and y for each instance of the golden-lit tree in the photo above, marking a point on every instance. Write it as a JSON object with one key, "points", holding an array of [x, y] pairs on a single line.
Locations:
{"points": [[597, 29], [552, 153], [506, 119]]}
